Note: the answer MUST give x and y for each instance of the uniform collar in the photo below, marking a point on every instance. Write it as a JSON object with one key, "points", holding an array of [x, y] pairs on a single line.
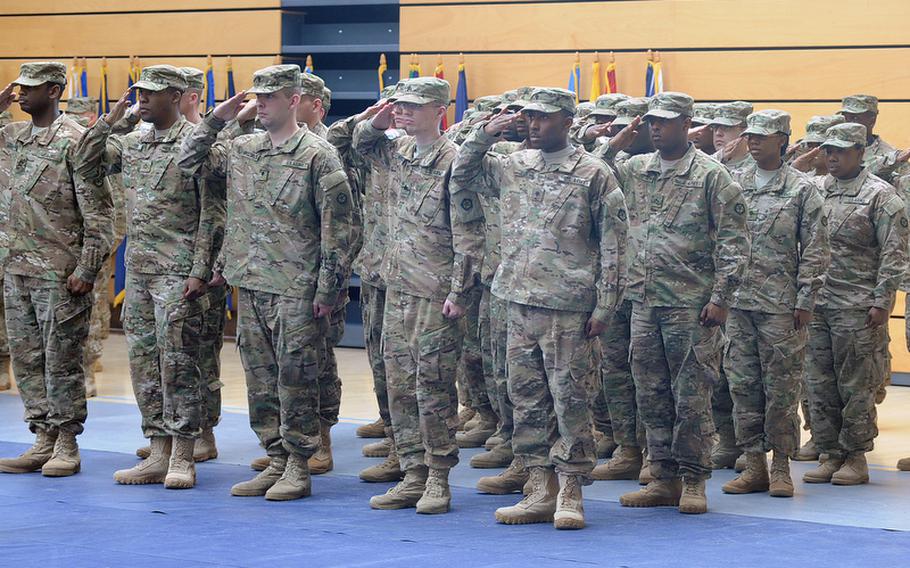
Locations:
{"points": [[45, 137], [169, 137], [264, 144], [776, 185], [566, 166], [409, 151], [849, 188], [681, 168]]}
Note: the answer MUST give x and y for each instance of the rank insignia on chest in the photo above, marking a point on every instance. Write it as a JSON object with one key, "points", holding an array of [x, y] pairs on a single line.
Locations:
{"points": [[467, 204]]}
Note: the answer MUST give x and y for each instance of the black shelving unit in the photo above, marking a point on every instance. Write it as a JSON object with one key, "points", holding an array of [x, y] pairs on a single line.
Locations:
{"points": [[345, 39]]}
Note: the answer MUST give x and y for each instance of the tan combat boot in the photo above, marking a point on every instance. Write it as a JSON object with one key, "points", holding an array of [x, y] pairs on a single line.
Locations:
{"points": [[903, 464], [512, 480], [205, 448], [5, 382], [753, 479], [742, 462], [824, 472], [372, 430], [268, 477], [658, 493], [406, 492], [626, 463], [65, 460], [181, 469], [260, 464], [295, 482], [539, 504], [693, 500], [646, 476], [437, 497], [152, 469], [781, 485], [570, 509], [493, 441], [321, 462], [725, 451], [853, 472], [378, 449], [389, 470], [604, 445], [808, 452], [465, 417], [500, 456], [474, 435], [91, 387], [33, 458]]}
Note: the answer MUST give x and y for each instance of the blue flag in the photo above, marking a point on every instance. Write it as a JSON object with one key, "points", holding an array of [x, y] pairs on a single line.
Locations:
{"points": [[461, 94], [209, 88], [120, 273]]}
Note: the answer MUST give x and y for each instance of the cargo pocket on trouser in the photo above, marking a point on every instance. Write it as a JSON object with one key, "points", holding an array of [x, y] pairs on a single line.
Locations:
{"points": [[781, 382], [573, 392], [298, 381], [65, 378], [857, 384], [437, 399], [181, 376], [694, 424]]}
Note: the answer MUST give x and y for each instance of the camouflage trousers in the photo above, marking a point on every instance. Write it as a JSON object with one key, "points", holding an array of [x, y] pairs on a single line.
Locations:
{"points": [[210, 343], [280, 343], [675, 363], [722, 405], [843, 373], [494, 333], [421, 349], [4, 344], [163, 333], [552, 379], [372, 306], [329, 380], [764, 364], [616, 379], [470, 378], [100, 323], [47, 328]]}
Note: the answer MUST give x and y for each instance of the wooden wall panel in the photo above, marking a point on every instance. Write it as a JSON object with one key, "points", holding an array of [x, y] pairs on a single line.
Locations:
{"points": [[656, 24], [76, 6]]}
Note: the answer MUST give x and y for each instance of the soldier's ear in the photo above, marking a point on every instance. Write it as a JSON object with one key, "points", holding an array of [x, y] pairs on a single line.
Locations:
{"points": [[54, 91]]}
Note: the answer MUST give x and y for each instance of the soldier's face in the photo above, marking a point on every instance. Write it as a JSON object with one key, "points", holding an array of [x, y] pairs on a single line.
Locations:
{"points": [[548, 131], [669, 133], [521, 126], [157, 106], [723, 135], [309, 111], [414, 118], [35, 100], [765, 149], [843, 163], [274, 110], [189, 103], [867, 119]]}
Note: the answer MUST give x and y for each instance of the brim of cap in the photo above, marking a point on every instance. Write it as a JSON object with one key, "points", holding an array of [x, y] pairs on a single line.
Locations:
{"points": [[519, 104], [838, 143], [623, 120], [853, 110], [661, 113], [541, 107], [28, 81], [762, 131], [414, 99], [814, 138], [263, 90], [603, 112], [149, 86], [701, 120], [721, 121]]}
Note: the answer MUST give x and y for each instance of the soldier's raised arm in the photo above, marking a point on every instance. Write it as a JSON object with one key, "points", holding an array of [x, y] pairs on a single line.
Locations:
{"points": [[200, 154], [99, 153], [370, 140], [475, 168]]}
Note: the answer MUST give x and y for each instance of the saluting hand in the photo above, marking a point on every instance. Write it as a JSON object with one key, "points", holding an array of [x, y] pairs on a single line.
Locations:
{"points": [[119, 109], [371, 111], [7, 97], [229, 108], [248, 112], [804, 162], [500, 123], [624, 137], [694, 132], [382, 118]]}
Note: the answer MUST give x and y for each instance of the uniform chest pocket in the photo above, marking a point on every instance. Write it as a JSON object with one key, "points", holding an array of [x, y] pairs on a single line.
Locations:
{"points": [[677, 197], [427, 200], [778, 216], [851, 222], [27, 174], [151, 172], [285, 191]]}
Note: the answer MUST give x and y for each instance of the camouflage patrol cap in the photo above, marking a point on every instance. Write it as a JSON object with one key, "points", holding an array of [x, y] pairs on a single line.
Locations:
{"points": [[549, 100], [487, 103], [818, 125], [326, 98], [768, 122], [669, 104], [704, 113], [468, 114], [273, 78], [605, 105], [388, 92], [195, 78], [40, 72], [845, 135], [584, 109], [732, 114], [627, 110], [81, 105], [424, 90], [522, 95], [506, 99], [311, 85], [858, 104], [160, 77]]}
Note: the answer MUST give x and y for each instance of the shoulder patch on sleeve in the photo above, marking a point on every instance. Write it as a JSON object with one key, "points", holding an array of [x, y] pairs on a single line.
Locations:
{"points": [[892, 205]]}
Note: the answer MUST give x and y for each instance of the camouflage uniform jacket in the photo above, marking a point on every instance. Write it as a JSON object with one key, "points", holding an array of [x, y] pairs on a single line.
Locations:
{"points": [[688, 231], [174, 220], [491, 220], [289, 217], [56, 221], [435, 241], [867, 224], [564, 226], [790, 252]]}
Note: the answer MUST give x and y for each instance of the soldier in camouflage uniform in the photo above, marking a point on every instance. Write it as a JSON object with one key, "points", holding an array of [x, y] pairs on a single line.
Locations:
{"points": [[702, 135], [310, 111], [867, 224], [431, 267], [288, 234], [552, 198], [599, 123], [57, 228], [169, 263], [482, 110], [771, 310], [6, 117], [691, 246]]}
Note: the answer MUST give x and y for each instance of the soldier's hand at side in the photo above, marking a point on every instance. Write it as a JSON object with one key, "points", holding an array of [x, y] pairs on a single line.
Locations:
{"points": [[321, 310], [500, 123], [877, 317], [7, 97], [194, 288], [217, 280], [624, 137], [382, 119], [594, 328], [248, 112], [452, 310], [712, 315], [119, 109], [230, 108], [804, 162], [77, 286], [903, 156], [801, 318]]}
